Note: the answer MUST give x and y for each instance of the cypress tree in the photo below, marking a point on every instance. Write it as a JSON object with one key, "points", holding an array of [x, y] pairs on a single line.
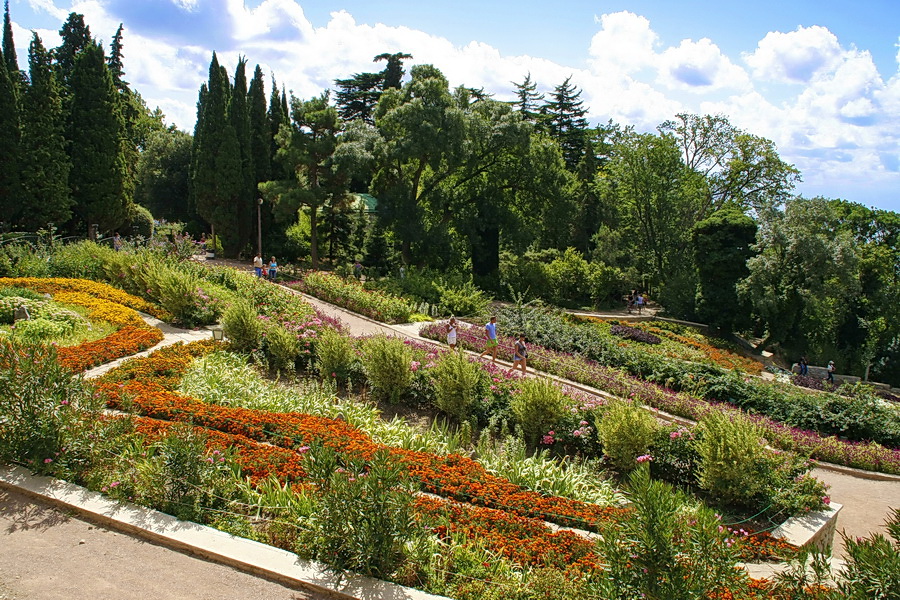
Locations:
{"points": [[216, 178], [239, 116], [97, 134], [9, 49], [259, 128], [277, 116], [76, 37], [10, 133], [45, 164]]}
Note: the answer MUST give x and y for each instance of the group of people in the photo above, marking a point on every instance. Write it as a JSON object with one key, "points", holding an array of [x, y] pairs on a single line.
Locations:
{"points": [[635, 300], [265, 271], [520, 351], [803, 367]]}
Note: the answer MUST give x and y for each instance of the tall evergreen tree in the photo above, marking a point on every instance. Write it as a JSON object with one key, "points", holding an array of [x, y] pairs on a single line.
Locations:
{"points": [[565, 122], [259, 128], [277, 117], [357, 96], [216, 180], [239, 116], [96, 135], [116, 68], [392, 76], [45, 163], [9, 48], [76, 37], [10, 132], [527, 99]]}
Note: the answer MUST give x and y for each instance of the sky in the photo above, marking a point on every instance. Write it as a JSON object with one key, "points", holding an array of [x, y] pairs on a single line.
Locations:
{"points": [[820, 78]]}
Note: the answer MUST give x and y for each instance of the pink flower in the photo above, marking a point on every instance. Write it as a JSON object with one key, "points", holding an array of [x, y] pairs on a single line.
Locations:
{"points": [[826, 500], [675, 435], [414, 365], [48, 461], [644, 458], [577, 433], [547, 440]]}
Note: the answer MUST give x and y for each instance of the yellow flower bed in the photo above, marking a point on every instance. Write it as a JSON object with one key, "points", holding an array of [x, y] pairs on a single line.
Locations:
{"points": [[103, 310], [54, 285]]}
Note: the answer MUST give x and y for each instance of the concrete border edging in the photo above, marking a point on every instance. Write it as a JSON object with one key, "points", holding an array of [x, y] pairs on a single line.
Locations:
{"points": [[815, 529], [208, 543]]}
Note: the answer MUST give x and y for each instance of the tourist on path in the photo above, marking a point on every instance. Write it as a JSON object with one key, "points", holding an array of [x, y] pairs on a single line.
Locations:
{"points": [[831, 370], [117, 242], [258, 265], [273, 269], [490, 332], [451, 333], [520, 355], [640, 302]]}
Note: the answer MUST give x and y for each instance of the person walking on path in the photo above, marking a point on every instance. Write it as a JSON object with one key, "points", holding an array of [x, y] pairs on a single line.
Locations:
{"points": [[273, 269], [804, 366], [639, 301], [520, 354], [831, 370], [357, 270], [451, 333], [117, 242], [490, 332], [258, 265]]}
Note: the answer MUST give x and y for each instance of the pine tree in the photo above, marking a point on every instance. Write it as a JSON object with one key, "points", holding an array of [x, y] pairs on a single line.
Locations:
{"points": [[216, 180], [45, 164], [239, 116], [96, 134], [116, 67], [357, 96], [10, 133], [565, 121], [259, 128], [528, 99]]}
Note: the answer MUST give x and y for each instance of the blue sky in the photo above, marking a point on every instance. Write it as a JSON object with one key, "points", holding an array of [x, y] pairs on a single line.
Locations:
{"points": [[818, 78]]}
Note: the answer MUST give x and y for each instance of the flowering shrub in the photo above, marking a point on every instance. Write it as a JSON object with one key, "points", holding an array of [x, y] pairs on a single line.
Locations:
{"points": [[351, 294], [633, 333]]}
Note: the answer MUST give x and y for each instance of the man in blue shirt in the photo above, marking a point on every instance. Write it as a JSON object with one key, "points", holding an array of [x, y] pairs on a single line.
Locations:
{"points": [[490, 332]]}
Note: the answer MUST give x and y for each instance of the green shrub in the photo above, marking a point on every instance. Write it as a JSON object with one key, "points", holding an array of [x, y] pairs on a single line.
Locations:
{"points": [[387, 365], [9, 304], [671, 547], [39, 401], [40, 329], [282, 347], [364, 516], [456, 382], [140, 220], [335, 356], [733, 465], [23, 260], [626, 432], [463, 300], [872, 569], [539, 406], [83, 260], [242, 327], [19, 292]]}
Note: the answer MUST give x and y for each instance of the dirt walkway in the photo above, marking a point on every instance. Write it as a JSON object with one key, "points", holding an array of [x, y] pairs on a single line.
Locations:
{"points": [[45, 553]]}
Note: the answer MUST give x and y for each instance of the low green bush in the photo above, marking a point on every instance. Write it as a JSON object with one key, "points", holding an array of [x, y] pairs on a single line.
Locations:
{"points": [[9, 304], [282, 348], [539, 406], [23, 260], [457, 381], [387, 364], [463, 300], [242, 327], [626, 433], [83, 260], [335, 357], [733, 458]]}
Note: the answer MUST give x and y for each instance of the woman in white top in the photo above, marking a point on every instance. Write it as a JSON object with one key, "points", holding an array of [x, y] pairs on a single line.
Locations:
{"points": [[451, 333]]}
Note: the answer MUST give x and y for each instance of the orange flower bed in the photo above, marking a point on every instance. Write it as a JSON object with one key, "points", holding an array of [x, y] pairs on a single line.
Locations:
{"points": [[257, 461], [124, 342], [53, 285], [520, 539]]}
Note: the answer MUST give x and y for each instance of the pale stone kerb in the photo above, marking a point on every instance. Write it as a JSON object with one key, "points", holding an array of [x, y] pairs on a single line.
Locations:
{"points": [[243, 554], [815, 529]]}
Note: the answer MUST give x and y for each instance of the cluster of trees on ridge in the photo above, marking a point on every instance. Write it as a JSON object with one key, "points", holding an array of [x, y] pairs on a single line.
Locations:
{"points": [[699, 212]]}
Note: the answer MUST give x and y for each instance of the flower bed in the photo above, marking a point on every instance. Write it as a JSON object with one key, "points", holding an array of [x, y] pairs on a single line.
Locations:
{"points": [[351, 295], [869, 456], [54, 285]]}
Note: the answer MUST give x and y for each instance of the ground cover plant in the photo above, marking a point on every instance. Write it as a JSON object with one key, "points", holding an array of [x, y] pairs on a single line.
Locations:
{"points": [[830, 448]]}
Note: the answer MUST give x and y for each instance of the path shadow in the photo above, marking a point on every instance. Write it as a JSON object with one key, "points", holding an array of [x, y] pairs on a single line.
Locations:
{"points": [[24, 514]]}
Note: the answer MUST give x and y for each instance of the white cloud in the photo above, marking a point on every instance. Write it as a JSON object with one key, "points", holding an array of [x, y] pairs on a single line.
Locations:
{"points": [[796, 57], [700, 67], [625, 42]]}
